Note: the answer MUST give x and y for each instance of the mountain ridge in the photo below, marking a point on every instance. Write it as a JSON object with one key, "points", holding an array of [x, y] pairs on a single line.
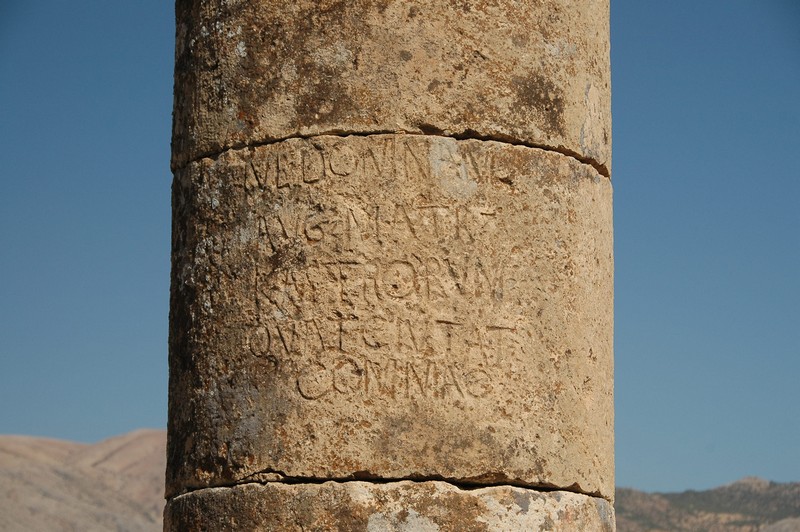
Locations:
{"points": [[115, 484], [750, 504]]}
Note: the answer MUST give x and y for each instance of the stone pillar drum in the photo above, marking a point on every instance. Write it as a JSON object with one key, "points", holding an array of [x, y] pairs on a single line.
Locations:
{"points": [[392, 270]]}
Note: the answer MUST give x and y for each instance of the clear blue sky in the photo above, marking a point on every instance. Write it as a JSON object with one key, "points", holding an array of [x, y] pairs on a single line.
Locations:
{"points": [[707, 220]]}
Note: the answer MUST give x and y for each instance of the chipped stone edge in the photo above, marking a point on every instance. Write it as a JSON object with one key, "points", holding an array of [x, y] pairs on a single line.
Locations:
{"points": [[489, 496], [272, 476], [460, 487]]}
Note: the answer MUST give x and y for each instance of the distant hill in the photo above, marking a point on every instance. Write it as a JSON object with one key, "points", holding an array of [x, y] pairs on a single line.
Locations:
{"points": [[118, 484], [749, 505]]}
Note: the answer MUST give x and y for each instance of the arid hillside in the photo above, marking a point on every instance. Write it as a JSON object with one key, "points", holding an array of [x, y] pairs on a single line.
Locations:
{"points": [[116, 484], [749, 505]]}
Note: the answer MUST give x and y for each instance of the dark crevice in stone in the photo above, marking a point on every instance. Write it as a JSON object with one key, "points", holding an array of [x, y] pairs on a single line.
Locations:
{"points": [[474, 135], [272, 476], [467, 134]]}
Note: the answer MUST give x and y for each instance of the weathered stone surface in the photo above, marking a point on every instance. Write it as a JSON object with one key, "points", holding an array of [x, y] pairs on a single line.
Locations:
{"points": [[396, 506], [359, 295], [535, 73], [392, 306]]}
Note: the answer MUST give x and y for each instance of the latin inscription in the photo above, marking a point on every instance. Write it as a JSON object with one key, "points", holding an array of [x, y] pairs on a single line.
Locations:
{"points": [[395, 378], [372, 282], [391, 280], [344, 228], [298, 162], [432, 339], [390, 357]]}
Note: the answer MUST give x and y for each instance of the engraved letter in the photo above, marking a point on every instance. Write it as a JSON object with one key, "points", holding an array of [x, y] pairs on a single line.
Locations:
{"points": [[314, 381]]}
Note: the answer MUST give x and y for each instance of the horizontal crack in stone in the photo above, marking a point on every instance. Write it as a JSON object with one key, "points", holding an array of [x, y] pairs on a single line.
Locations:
{"points": [[466, 135], [272, 476]]}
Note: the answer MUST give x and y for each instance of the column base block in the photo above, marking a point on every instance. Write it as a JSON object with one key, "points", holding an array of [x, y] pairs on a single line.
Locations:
{"points": [[390, 506]]}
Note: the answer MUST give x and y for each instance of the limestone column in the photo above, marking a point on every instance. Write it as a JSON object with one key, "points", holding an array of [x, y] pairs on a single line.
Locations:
{"points": [[392, 271]]}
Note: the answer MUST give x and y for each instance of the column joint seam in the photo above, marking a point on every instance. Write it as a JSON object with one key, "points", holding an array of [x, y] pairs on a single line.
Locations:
{"points": [[460, 485], [467, 135]]}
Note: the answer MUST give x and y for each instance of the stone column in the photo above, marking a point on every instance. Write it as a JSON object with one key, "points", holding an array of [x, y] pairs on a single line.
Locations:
{"points": [[392, 271]]}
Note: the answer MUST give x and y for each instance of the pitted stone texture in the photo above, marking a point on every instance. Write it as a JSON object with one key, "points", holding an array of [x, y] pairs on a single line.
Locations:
{"points": [[392, 306], [397, 506], [259, 70]]}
